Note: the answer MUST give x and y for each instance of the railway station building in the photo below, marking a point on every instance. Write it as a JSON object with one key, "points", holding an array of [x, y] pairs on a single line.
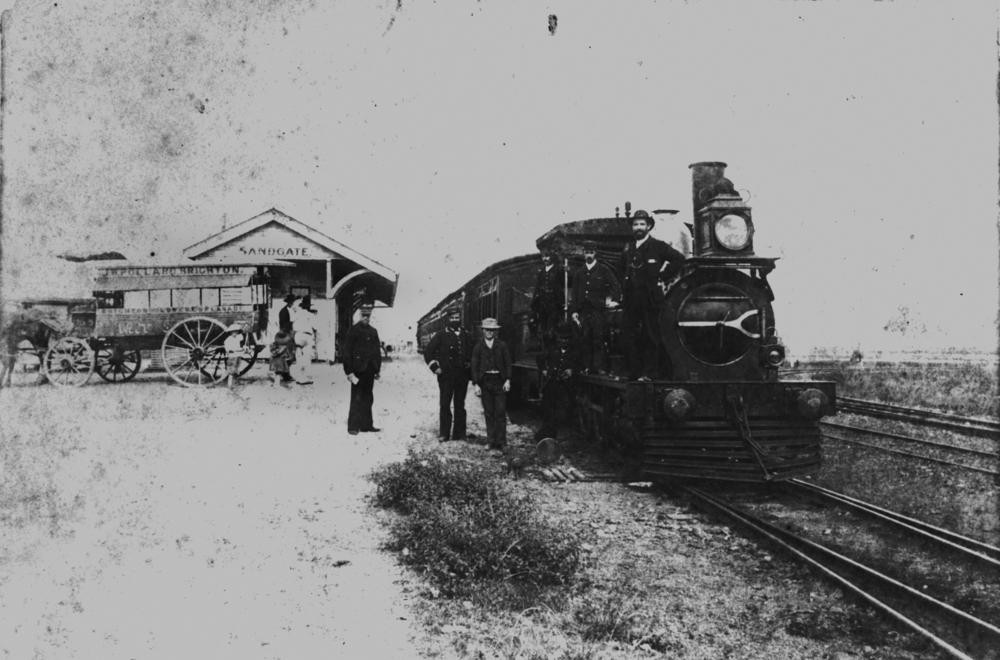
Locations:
{"points": [[336, 277]]}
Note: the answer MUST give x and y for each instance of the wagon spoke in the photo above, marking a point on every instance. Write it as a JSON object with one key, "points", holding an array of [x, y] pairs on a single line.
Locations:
{"points": [[194, 342], [189, 344]]}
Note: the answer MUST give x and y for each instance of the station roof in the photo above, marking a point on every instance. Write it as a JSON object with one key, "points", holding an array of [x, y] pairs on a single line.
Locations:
{"points": [[273, 234]]}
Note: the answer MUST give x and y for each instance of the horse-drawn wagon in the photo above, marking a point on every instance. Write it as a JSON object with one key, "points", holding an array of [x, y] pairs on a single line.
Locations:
{"points": [[181, 310]]}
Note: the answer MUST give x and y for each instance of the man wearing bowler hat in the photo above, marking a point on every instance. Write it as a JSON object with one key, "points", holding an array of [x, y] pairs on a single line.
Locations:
{"points": [[449, 355], [491, 369], [595, 288], [362, 364], [644, 262]]}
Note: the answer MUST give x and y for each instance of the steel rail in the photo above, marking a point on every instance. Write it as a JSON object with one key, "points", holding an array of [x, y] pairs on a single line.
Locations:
{"points": [[964, 545], [821, 559], [889, 450], [920, 441], [969, 425]]}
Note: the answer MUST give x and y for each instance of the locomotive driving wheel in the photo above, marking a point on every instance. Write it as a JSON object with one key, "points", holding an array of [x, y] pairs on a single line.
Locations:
{"points": [[193, 352], [68, 362], [117, 365]]}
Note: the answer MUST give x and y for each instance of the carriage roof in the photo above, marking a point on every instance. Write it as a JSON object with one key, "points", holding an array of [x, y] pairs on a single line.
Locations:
{"points": [[190, 275]]}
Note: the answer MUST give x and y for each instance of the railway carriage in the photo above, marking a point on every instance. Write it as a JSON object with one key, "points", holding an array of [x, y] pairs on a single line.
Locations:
{"points": [[717, 409]]}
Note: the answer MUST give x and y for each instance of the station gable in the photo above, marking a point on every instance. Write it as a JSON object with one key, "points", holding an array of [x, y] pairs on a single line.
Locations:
{"points": [[271, 241]]}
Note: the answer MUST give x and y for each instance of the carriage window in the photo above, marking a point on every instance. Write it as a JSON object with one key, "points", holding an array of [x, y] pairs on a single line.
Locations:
{"points": [[137, 299], [110, 299], [159, 299], [235, 295], [209, 297], [186, 298]]}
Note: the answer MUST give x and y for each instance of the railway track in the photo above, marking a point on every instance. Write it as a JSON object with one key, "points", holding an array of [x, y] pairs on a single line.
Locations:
{"points": [[984, 428], [975, 460], [951, 630]]}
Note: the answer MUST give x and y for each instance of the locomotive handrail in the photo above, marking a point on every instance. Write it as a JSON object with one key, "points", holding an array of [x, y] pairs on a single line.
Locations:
{"points": [[736, 324]]}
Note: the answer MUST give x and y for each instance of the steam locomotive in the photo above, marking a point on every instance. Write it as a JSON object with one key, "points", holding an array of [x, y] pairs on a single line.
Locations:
{"points": [[720, 411]]}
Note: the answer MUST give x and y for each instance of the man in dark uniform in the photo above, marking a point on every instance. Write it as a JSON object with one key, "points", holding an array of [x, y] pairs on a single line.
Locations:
{"points": [[449, 354], [595, 288], [558, 367], [643, 263], [285, 315], [491, 369], [362, 364], [548, 301]]}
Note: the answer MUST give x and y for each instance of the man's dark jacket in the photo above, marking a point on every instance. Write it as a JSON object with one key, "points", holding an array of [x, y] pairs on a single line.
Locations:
{"points": [[591, 288], [362, 350], [549, 294], [641, 270], [452, 351], [486, 359]]}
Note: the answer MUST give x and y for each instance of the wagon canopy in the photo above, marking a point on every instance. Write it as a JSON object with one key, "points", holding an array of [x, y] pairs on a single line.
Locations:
{"points": [[185, 276]]}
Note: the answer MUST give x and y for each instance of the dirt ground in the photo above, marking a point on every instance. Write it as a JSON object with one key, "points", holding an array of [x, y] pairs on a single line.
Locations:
{"points": [[146, 520]]}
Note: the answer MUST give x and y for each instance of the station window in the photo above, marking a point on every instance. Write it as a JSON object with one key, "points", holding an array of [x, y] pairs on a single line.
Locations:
{"points": [[159, 299], [137, 300]]}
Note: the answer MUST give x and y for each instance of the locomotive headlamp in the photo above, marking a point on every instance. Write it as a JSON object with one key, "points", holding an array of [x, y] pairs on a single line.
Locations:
{"points": [[678, 404], [811, 403], [732, 231], [773, 355]]}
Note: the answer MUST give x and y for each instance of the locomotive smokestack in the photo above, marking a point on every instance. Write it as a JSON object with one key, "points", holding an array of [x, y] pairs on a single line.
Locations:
{"points": [[707, 180]]}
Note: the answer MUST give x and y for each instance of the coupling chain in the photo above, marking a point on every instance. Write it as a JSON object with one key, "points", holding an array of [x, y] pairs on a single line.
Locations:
{"points": [[742, 422]]}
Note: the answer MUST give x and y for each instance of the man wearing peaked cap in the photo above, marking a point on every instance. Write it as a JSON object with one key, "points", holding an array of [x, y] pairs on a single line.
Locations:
{"points": [[595, 288], [362, 352], [643, 263], [558, 366], [449, 355], [549, 296], [491, 369]]}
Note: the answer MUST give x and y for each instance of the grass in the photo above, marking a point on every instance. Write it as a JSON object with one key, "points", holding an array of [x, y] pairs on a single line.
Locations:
{"points": [[471, 534], [965, 390]]}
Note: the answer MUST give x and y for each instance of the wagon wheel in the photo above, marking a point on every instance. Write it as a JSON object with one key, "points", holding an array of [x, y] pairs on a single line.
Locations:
{"points": [[115, 364], [69, 361], [216, 362], [193, 353]]}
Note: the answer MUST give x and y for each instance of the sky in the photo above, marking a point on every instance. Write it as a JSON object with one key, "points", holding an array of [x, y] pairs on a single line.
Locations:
{"points": [[440, 137]]}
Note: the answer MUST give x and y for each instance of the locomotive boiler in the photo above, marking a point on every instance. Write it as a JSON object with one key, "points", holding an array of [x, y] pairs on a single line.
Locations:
{"points": [[717, 408]]}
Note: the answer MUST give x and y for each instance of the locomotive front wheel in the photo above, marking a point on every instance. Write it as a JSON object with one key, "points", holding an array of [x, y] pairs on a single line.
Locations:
{"points": [[192, 349], [68, 362], [116, 365]]}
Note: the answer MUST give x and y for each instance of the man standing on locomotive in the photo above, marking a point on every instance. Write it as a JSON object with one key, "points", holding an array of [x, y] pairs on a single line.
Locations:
{"points": [[595, 288], [643, 263], [449, 355], [362, 364], [491, 369], [549, 299]]}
